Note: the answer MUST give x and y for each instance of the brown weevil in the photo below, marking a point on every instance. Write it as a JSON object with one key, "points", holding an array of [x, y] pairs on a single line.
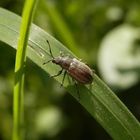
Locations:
{"points": [[78, 70]]}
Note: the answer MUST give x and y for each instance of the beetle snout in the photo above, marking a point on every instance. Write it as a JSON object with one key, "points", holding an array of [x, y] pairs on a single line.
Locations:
{"points": [[56, 60], [53, 60]]}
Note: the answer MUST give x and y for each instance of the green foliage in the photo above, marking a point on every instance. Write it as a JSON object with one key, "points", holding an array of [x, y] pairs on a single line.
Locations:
{"points": [[99, 100], [88, 29], [18, 99]]}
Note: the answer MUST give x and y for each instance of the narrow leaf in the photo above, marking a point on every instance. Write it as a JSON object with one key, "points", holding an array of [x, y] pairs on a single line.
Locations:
{"points": [[98, 100]]}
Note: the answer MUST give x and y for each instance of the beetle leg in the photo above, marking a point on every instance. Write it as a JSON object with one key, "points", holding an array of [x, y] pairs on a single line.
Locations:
{"points": [[77, 88], [69, 79], [63, 78], [76, 85], [57, 73]]}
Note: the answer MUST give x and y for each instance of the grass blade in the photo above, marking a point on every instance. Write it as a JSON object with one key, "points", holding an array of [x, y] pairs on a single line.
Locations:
{"points": [[18, 100], [99, 101]]}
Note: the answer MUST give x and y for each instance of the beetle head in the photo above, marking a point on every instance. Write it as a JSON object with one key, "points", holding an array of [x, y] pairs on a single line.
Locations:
{"points": [[57, 60]]}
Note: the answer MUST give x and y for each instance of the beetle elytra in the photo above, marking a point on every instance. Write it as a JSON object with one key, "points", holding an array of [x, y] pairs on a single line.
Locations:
{"points": [[78, 70]]}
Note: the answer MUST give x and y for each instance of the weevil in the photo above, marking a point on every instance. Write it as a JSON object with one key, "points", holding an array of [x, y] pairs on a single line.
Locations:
{"points": [[78, 70]]}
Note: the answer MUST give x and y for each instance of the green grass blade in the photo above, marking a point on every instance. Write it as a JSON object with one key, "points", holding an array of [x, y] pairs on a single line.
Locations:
{"points": [[60, 25], [18, 100], [99, 100]]}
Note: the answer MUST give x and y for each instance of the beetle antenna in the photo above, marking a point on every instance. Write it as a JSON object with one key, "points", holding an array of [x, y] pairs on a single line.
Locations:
{"points": [[47, 62], [50, 49]]}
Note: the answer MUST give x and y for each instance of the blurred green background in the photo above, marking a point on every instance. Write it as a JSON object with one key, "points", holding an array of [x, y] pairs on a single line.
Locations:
{"points": [[103, 33]]}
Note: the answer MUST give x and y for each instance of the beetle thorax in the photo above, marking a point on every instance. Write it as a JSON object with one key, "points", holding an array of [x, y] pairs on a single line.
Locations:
{"points": [[64, 62]]}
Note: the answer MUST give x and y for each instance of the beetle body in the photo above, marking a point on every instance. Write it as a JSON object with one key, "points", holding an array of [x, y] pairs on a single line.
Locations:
{"points": [[78, 70], [75, 68]]}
